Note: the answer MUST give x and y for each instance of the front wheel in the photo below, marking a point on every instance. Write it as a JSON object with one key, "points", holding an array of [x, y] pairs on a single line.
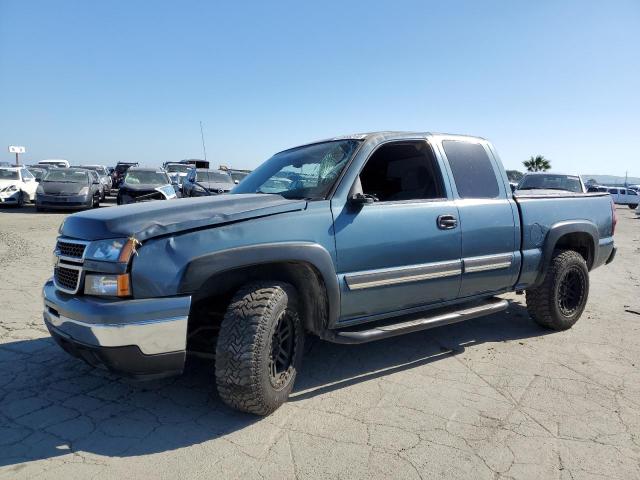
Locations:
{"points": [[21, 199], [560, 300], [259, 347], [634, 206]]}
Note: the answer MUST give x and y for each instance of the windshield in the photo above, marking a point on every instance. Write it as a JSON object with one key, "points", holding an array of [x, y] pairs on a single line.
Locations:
{"points": [[178, 168], [37, 172], [146, 177], [303, 172], [67, 175], [9, 174], [213, 177], [551, 182]]}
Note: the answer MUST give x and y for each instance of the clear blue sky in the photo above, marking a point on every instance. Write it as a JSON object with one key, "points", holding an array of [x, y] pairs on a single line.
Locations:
{"points": [[130, 80]]}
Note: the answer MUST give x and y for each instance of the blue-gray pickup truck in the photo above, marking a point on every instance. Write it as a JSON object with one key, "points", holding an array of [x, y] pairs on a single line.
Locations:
{"points": [[352, 239]]}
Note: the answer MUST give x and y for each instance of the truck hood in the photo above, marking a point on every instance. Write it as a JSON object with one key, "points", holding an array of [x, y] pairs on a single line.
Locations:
{"points": [[152, 219]]}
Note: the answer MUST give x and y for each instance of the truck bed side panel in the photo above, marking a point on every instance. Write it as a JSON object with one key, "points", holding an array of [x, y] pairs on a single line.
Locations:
{"points": [[539, 214]]}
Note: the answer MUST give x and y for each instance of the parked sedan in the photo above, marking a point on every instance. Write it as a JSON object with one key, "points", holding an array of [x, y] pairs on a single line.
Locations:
{"points": [[17, 186], [144, 184], [68, 188], [103, 174], [201, 183]]}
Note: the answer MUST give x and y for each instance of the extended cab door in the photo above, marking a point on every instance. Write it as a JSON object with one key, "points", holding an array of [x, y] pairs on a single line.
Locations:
{"points": [[489, 220], [401, 251]]}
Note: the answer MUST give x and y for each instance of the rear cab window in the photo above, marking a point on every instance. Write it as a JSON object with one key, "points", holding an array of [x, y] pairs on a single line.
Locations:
{"points": [[472, 169]]}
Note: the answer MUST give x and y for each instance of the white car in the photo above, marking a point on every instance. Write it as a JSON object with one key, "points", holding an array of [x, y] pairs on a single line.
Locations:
{"points": [[17, 186], [624, 196], [57, 162]]}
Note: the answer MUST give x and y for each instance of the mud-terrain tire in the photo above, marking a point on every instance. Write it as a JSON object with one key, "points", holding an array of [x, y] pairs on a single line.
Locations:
{"points": [[259, 347], [560, 300]]}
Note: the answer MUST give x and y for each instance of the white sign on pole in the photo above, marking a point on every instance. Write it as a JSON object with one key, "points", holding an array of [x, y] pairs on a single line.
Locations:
{"points": [[16, 149]]}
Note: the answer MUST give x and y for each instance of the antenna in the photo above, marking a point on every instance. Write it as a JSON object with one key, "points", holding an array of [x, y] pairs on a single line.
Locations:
{"points": [[204, 148]]}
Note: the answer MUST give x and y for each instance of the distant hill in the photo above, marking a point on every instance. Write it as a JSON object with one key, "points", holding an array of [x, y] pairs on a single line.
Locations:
{"points": [[611, 179]]}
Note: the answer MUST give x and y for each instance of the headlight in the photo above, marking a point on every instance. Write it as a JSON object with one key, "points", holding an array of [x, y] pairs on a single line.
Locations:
{"points": [[114, 250], [107, 285], [11, 188], [83, 191]]}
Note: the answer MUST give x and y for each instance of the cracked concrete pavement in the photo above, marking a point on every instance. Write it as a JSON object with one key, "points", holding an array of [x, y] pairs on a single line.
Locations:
{"points": [[496, 397]]}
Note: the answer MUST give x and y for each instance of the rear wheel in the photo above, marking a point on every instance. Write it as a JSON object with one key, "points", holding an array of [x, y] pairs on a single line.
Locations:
{"points": [[560, 300], [259, 347]]}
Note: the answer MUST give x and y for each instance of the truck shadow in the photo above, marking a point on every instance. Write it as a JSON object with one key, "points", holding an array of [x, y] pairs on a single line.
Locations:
{"points": [[52, 404]]}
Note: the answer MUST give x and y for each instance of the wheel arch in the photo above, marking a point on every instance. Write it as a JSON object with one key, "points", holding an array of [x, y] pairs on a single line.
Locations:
{"points": [[213, 278], [581, 236]]}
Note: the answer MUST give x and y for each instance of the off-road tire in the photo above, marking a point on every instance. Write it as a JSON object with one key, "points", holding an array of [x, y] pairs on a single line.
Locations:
{"points": [[547, 305], [244, 347]]}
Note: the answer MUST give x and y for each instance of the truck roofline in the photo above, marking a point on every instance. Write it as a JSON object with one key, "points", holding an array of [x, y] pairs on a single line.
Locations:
{"points": [[391, 135]]}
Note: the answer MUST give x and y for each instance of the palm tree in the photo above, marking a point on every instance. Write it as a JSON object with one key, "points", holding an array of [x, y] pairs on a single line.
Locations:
{"points": [[537, 164]]}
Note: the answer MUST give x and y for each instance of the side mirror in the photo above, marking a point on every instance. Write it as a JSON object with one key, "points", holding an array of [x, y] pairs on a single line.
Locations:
{"points": [[513, 187], [362, 199]]}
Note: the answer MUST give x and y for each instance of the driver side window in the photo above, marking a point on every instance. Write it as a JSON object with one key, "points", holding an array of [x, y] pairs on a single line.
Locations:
{"points": [[401, 171]]}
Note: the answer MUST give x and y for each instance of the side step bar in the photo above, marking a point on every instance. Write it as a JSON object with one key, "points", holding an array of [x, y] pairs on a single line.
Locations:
{"points": [[436, 319]]}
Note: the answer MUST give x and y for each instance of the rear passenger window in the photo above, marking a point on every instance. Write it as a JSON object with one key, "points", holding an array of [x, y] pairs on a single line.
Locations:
{"points": [[472, 170], [401, 171]]}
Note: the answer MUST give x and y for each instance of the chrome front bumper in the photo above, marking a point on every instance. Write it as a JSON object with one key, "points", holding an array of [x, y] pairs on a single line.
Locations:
{"points": [[155, 326]]}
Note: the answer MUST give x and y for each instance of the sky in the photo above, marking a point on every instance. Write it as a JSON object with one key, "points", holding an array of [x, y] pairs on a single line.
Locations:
{"points": [[108, 81]]}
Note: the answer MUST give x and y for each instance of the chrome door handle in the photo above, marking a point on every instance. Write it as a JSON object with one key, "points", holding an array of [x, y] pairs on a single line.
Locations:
{"points": [[447, 222]]}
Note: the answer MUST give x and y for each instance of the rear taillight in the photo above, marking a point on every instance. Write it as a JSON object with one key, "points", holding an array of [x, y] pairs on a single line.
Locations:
{"points": [[614, 217]]}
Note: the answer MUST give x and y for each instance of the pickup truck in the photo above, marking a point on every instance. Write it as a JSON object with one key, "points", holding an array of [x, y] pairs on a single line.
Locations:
{"points": [[370, 236]]}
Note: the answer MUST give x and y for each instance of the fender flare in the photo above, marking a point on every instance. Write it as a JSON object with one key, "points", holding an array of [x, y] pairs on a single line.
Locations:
{"points": [[557, 231], [200, 269]]}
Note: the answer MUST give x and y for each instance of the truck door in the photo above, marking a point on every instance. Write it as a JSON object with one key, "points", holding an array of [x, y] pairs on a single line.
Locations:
{"points": [[403, 250], [489, 219]]}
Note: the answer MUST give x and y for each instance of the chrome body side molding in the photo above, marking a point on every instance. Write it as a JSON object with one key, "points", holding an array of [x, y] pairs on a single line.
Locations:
{"points": [[405, 274], [488, 262]]}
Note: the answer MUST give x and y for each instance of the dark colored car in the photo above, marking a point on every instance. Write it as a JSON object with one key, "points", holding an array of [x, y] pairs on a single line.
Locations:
{"points": [[145, 184], [68, 188], [202, 183], [119, 172], [103, 175]]}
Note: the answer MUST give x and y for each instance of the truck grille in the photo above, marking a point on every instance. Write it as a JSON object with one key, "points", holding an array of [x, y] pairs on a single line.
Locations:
{"points": [[71, 250], [67, 278]]}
